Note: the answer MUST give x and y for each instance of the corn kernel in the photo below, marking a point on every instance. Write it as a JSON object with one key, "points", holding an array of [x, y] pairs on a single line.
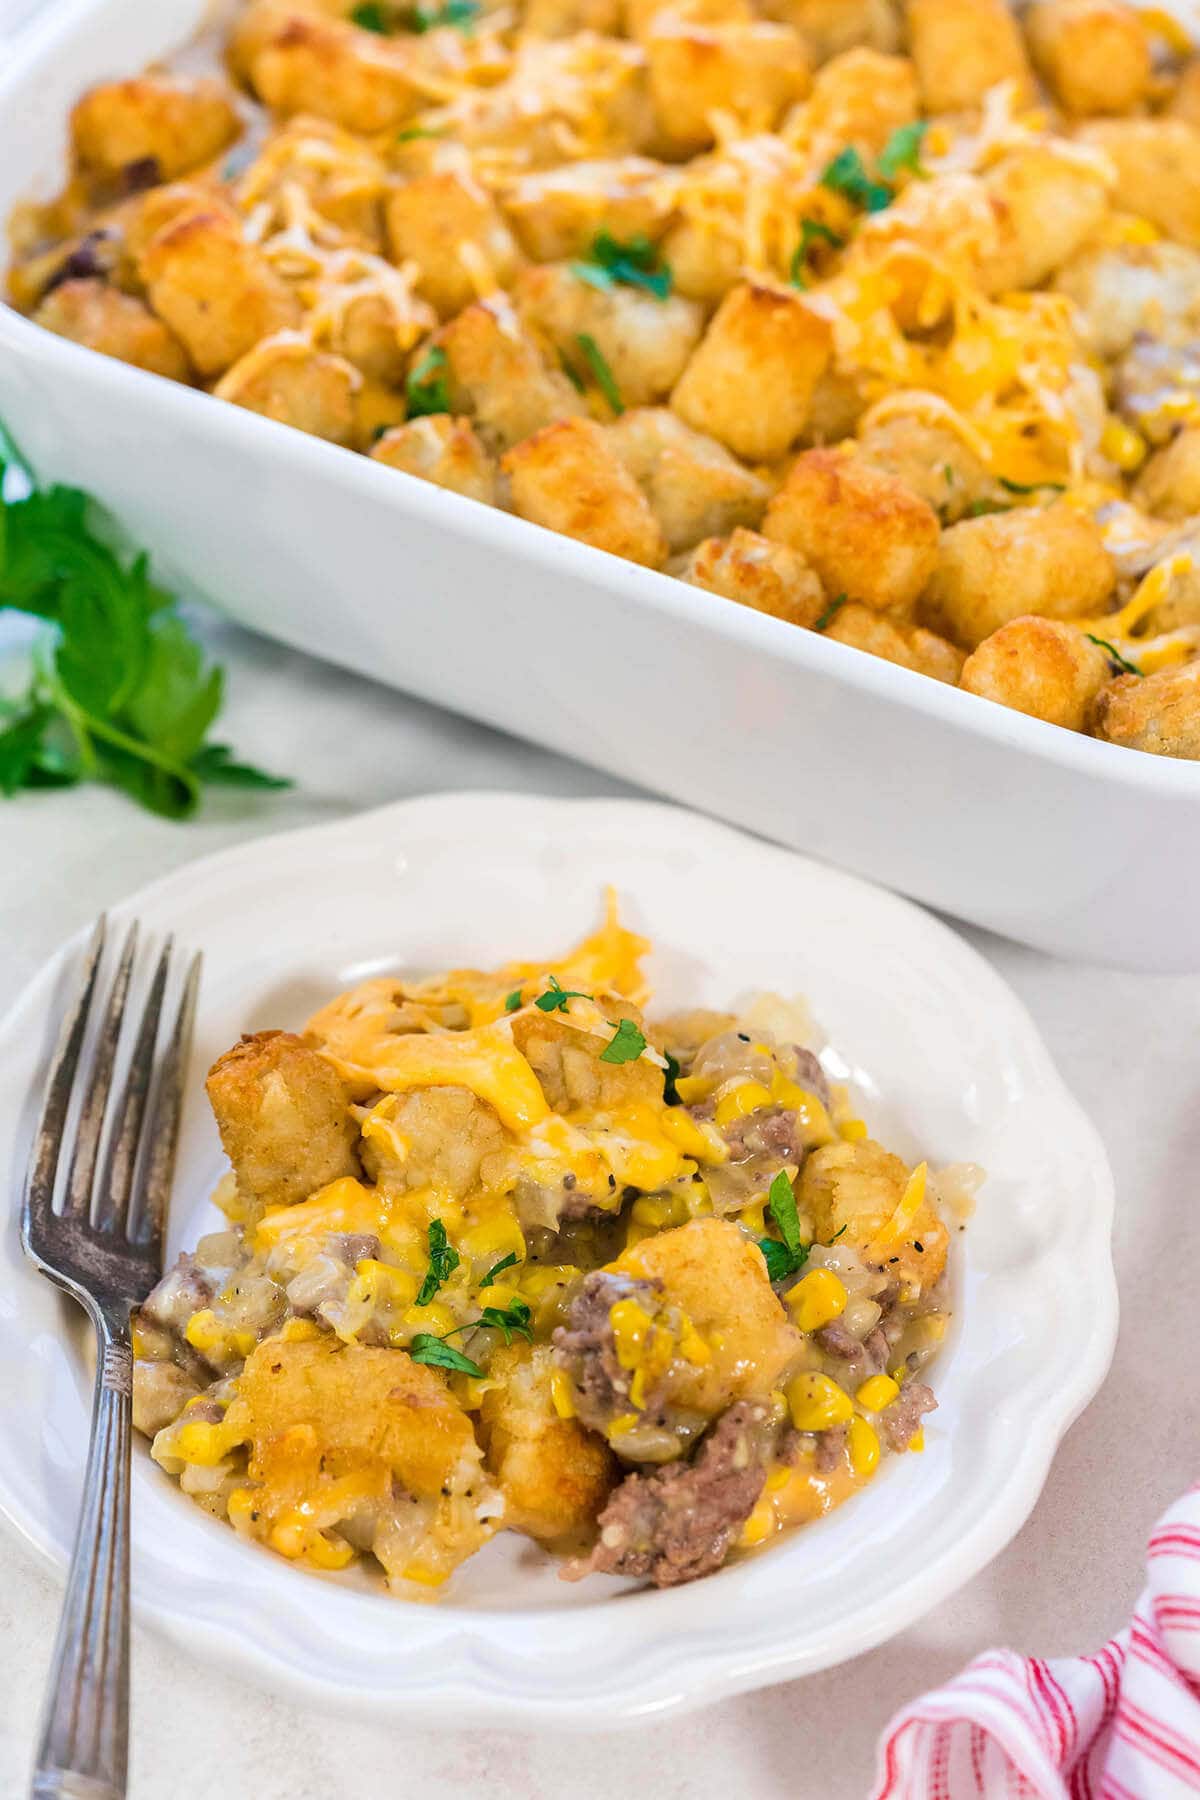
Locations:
{"points": [[562, 1395], [817, 1299], [817, 1404], [204, 1443], [538, 1281], [240, 1505], [917, 1441], [652, 1210], [864, 1447], [325, 1552], [622, 1423], [816, 1126], [753, 1217], [1123, 445], [1171, 30], [298, 1331], [691, 1088], [853, 1131], [746, 1097], [421, 1573], [778, 1479], [695, 1137], [759, 1525], [636, 1233], [435, 1318], [877, 1393], [692, 1347]]}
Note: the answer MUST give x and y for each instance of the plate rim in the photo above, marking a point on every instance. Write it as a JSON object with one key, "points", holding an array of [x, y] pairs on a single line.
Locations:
{"points": [[742, 1667]]}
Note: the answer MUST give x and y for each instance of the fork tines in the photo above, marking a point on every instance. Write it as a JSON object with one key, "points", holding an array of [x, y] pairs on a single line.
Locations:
{"points": [[112, 1127]]}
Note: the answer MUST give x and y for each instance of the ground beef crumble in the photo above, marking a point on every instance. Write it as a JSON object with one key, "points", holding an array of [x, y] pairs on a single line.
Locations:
{"points": [[682, 1521]]}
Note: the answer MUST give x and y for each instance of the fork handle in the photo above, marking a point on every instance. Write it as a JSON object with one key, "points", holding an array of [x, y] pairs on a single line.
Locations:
{"points": [[83, 1751]]}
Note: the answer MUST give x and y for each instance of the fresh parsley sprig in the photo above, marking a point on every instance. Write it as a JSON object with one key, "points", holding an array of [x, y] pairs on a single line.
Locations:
{"points": [[1121, 665], [443, 1260], [426, 1348], [506, 1262], [849, 176], [119, 690], [635, 263], [427, 389], [387, 21], [831, 612], [600, 372], [783, 1259], [812, 231], [626, 1044], [555, 998]]}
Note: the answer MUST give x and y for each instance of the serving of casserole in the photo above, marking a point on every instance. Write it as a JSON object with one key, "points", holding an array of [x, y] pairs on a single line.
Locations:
{"points": [[503, 1255]]}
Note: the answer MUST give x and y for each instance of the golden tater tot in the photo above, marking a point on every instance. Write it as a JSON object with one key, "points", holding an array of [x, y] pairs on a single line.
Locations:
{"points": [[1169, 485], [1005, 565], [1095, 54], [910, 646], [1158, 171], [1041, 667], [569, 478], [554, 1474], [105, 319], [443, 450], [865, 533], [762, 342], [768, 577], [171, 124], [964, 47], [284, 1118], [1159, 713]]}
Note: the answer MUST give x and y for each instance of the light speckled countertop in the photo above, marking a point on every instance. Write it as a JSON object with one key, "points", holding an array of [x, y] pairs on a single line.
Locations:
{"points": [[1127, 1045]]}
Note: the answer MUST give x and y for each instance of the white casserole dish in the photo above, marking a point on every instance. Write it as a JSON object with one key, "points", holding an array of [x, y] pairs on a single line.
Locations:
{"points": [[1072, 845]]}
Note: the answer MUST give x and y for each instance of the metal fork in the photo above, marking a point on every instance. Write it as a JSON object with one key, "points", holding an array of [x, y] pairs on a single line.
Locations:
{"points": [[104, 1246]]}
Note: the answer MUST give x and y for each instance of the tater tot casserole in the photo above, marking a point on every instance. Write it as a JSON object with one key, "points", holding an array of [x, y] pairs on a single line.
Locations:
{"points": [[880, 318], [502, 1255]]}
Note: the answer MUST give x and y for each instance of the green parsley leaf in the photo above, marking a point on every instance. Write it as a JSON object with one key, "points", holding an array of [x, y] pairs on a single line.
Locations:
{"points": [[411, 133], [216, 765], [601, 374], [425, 1348], [511, 1320], [1033, 487], [831, 611], [812, 231], [626, 1044], [506, 1262], [513, 1001], [782, 1202], [119, 691], [371, 17], [670, 1091], [847, 174], [426, 391], [981, 509], [781, 1262], [839, 1233], [948, 472], [634, 263], [903, 150], [555, 998], [443, 1260], [572, 374], [1121, 664], [461, 14]]}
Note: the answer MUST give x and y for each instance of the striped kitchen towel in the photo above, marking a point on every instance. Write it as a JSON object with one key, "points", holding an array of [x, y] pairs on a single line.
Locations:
{"points": [[1121, 1725]]}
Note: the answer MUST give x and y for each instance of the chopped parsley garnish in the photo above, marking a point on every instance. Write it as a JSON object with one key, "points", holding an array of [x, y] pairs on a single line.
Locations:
{"points": [[443, 1260], [1032, 487], [847, 174], [506, 1262], [370, 16], [119, 690], [781, 1262], [903, 150], [812, 231], [509, 1320], [602, 375], [839, 1233], [783, 1259], [980, 509], [426, 1348], [555, 998], [412, 132], [670, 1091], [386, 21], [1121, 664], [948, 472], [635, 264], [513, 1001], [626, 1044], [831, 611], [426, 390]]}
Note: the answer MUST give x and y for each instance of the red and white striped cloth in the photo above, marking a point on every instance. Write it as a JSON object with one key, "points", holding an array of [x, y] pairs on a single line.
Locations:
{"points": [[1121, 1725]]}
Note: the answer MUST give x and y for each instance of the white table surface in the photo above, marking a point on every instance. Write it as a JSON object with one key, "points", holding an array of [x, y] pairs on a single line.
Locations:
{"points": [[1128, 1046]]}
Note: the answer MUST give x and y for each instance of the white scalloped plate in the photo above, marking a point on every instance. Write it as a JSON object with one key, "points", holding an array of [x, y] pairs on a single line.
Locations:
{"points": [[950, 1065]]}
